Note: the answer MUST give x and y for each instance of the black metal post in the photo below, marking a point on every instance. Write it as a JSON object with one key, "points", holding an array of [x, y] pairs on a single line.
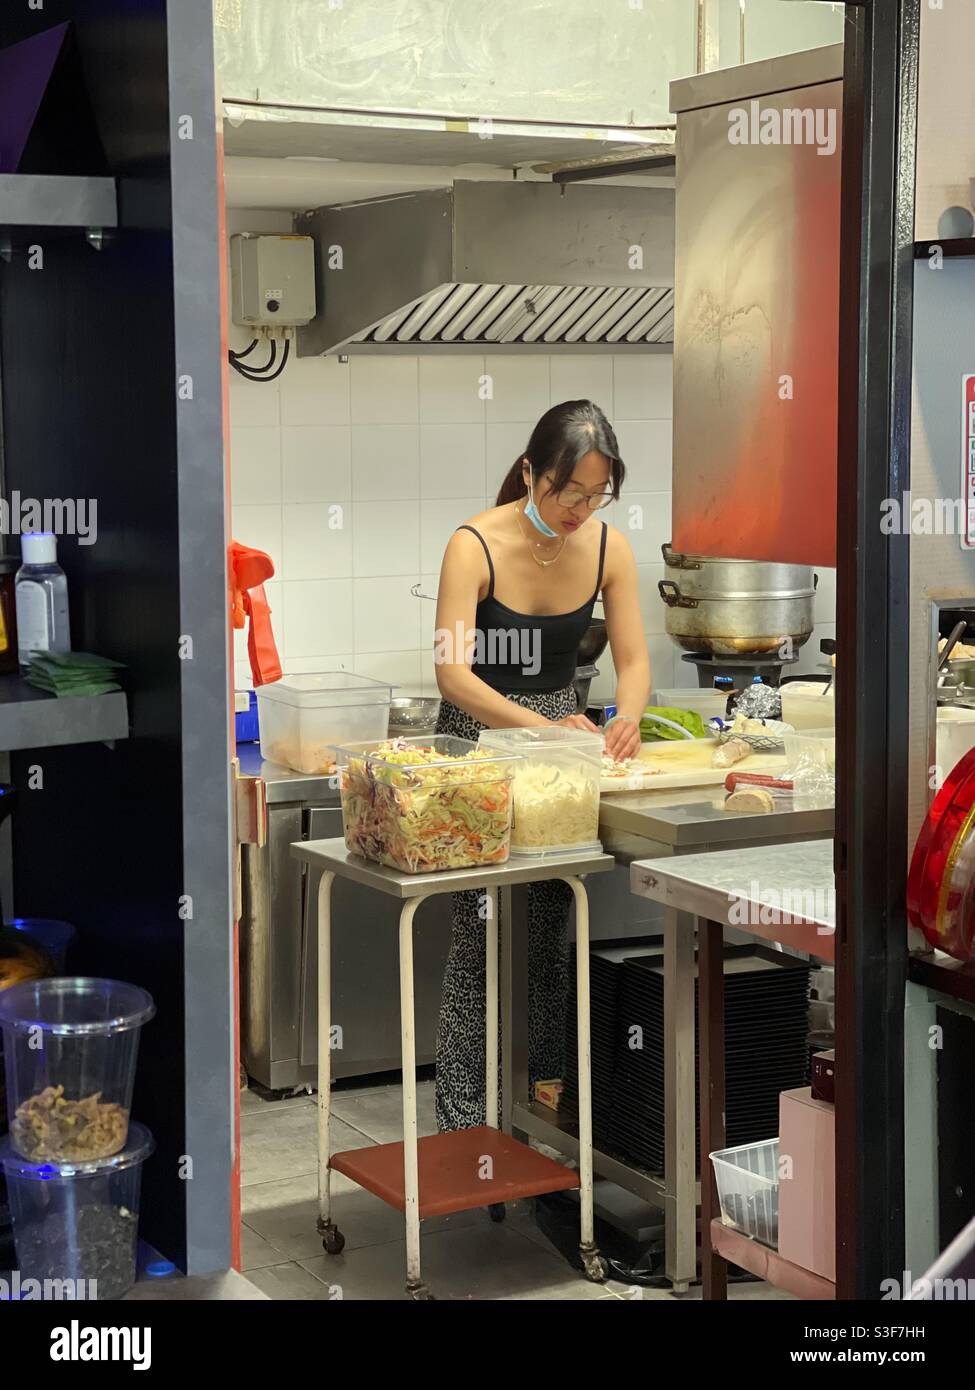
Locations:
{"points": [[877, 226]]}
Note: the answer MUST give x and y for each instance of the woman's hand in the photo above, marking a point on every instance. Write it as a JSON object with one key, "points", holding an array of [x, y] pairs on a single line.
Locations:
{"points": [[622, 738], [576, 721]]}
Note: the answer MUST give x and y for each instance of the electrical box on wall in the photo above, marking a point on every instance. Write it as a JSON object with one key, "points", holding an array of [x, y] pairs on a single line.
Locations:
{"points": [[272, 280]]}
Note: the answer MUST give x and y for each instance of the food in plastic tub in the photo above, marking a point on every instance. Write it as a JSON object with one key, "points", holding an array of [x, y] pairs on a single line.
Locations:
{"points": [[303, 719], [425, 804], [70, 1046], [78, 1221], [748, 1189], [556, 787]]}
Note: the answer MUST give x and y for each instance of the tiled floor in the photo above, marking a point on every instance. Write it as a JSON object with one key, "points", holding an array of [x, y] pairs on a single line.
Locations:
{"points": [[466, 1256]]}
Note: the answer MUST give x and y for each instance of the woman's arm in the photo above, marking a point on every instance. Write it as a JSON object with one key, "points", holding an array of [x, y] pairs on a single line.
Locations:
{"points": [[461, 575], [624, 623]]}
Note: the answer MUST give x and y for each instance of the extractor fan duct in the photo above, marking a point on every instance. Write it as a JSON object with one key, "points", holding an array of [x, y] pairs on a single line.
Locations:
{"points": [[486, 264]]}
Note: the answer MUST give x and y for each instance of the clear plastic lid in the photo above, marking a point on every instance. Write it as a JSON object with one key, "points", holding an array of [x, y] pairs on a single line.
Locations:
{"points": [[139, 1145], [327, 688], [543, 738], [75, 1005]]}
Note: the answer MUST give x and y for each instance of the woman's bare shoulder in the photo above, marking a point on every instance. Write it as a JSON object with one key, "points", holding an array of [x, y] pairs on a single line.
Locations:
{"points": [[489, 520], [463, 543]]}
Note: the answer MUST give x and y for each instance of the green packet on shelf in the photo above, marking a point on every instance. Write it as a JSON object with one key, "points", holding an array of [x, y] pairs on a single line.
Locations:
{"points": [[651, 728], [72, 661], [73, 673]]}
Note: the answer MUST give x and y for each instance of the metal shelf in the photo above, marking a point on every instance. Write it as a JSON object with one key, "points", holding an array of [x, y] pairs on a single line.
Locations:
{"points": [[948, 246], [561, 1132], [953, 978], [32, 718], [768, 1264], [56, 200]]}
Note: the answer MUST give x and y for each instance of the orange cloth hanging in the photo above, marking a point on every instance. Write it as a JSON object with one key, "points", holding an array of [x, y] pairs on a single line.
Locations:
{"points": [[249, 569]]}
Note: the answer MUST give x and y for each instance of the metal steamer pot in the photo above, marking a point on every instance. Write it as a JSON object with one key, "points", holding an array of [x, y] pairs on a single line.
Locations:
{"points": [[743, 606]]}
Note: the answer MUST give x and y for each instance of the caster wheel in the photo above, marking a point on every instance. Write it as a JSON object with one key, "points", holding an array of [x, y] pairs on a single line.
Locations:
{"points": [[496, 1211], [419, 1293], [596, 1268], [333, 1241]]}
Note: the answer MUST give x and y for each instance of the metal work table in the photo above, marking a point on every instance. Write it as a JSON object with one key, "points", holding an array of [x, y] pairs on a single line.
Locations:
{"points": [[779, 892], [283, 783], [641, 825], [451, 1177]]}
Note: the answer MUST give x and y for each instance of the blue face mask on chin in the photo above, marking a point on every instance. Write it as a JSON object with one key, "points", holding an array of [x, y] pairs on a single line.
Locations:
{"points": [[532, 513]]}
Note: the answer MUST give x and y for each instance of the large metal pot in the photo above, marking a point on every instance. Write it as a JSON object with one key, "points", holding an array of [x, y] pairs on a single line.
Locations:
{"points": [[728, 606]]}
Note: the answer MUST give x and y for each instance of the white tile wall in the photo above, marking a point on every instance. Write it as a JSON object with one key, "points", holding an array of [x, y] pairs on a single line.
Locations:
{"points": [[353, 476]]}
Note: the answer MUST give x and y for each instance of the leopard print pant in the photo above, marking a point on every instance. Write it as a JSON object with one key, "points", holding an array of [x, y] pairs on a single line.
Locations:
{"points": [[460, 1035]]}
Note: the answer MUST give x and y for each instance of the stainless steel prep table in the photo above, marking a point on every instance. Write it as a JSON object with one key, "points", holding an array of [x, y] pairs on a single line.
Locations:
{"points": [[393, 1171], [279, 947], [782, 893], [643, 825]]}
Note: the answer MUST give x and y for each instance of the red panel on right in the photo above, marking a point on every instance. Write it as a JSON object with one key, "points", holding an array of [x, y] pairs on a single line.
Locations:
{"points": [[756, 330]]}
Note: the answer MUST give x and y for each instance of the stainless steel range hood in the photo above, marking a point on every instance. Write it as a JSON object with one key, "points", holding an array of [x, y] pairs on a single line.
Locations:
{"points": [[482, 265]]}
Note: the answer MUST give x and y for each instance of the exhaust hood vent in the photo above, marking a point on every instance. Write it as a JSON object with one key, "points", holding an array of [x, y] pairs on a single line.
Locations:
{"points": [[487, 264]]}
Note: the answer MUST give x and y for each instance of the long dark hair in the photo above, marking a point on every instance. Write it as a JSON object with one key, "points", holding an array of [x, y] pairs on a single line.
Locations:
{"points": [[563, 436]]}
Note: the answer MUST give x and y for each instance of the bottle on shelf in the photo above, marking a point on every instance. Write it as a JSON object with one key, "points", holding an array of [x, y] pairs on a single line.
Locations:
{"points": [[42, 598]]}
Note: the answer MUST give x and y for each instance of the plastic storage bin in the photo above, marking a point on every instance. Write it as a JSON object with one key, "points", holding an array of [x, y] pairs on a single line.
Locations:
{"points": [[427, 803], [748, 1189], [303, 719], [70, 1047], [78, 1221], [709, 704], [556, 787]]}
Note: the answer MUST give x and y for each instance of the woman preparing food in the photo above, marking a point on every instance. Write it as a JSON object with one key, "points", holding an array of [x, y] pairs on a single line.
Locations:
{"points": [[523, 578]]}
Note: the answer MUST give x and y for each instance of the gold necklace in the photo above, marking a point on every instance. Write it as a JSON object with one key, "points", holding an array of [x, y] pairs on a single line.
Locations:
{"points": [[533, 545]]}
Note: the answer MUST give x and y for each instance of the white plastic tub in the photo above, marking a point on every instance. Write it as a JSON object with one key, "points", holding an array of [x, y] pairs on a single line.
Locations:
{"points": [[748, 1189], [555, 789], [808, 705], [303, 719]]}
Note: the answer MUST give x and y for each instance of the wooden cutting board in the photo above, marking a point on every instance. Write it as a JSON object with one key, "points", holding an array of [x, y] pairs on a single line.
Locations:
{"points": [[685, 764]]}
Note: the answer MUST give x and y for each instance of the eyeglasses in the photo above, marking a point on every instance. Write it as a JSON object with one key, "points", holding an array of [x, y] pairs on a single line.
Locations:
{"points": [[571, 498]]}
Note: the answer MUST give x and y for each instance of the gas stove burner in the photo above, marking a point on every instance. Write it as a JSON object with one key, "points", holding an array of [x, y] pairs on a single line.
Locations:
{"points": [[735, 672]]}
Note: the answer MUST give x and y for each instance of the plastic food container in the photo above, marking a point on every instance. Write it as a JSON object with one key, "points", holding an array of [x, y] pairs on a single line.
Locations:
{"points": [[808, 704], [748, 1189], [303, 719], [810, 748], [427, 803], [70, 1047], [556, 787], [78, 1221]]}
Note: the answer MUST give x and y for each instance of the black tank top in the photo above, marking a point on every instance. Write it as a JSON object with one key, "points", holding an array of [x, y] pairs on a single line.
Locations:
{"points": [[517, 652]]}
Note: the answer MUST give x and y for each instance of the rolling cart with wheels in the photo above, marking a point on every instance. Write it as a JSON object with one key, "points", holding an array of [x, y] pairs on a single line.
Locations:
{"points": [[470, 1168]]}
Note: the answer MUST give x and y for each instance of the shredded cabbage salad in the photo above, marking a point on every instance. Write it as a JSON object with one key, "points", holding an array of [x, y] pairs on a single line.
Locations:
{"points": [[418, 810], [554, 806]]}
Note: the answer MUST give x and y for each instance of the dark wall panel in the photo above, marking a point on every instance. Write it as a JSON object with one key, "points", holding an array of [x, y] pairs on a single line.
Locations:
{"points": [[89, 410]]}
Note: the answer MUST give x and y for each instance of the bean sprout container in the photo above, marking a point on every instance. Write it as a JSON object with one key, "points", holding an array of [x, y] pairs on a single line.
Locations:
{"points": [[70, 1047], [427, 803], [78, 1221], [556, 787], [303, 719]]}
